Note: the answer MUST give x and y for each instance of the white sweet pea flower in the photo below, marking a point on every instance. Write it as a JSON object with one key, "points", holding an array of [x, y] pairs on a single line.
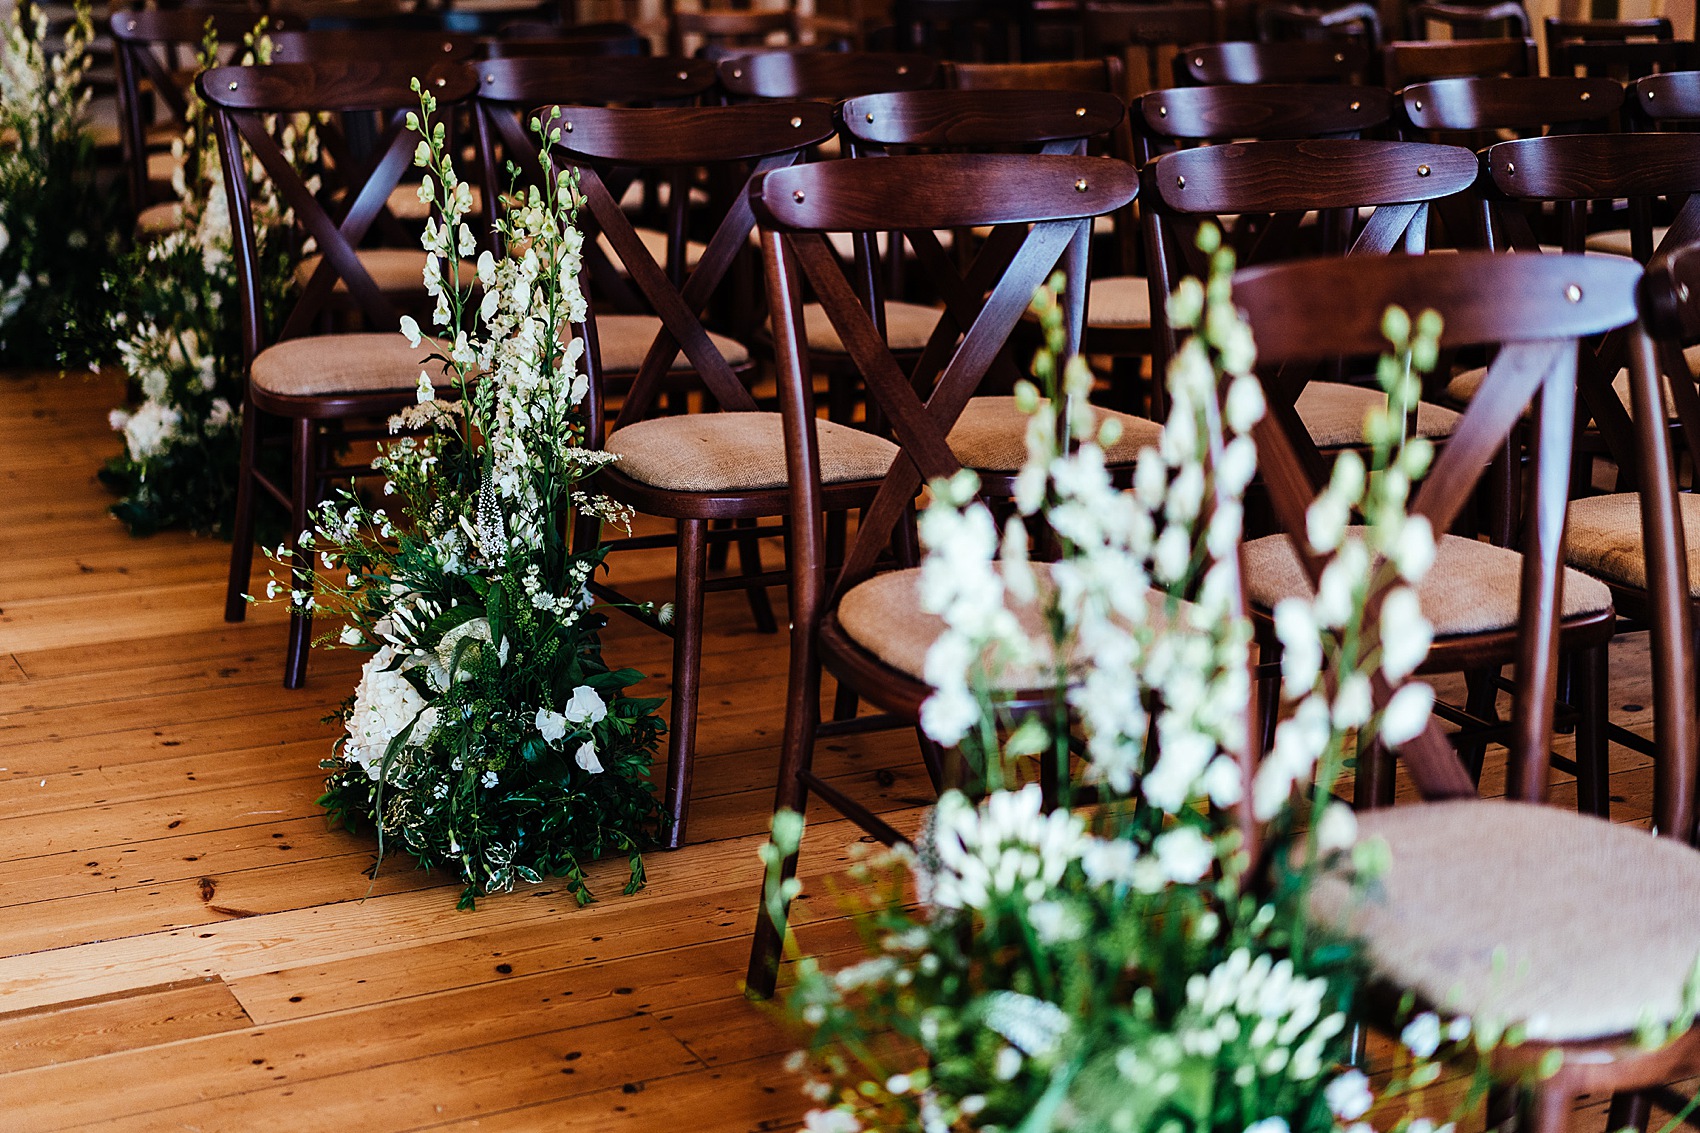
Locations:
{"points": [[1406, 714], [551, 725], [1301, 645], [410, 328], [1349, 1096], [585, 757], [1421, 1035], [1405, 634], [1413, 552], [1337, 829], [585, 706], [1184, 854]]}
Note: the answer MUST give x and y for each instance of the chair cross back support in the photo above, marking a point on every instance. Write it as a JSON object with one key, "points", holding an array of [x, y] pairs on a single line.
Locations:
{"points": [[1673, 317], [1048, 199], [1268, 112], [1673, 96], [242, 97], [1241, 63], [1060, 121], [1537, 309], [1404, 62], [824, 75], [1515, 103], [428, 47], [769, 135]]}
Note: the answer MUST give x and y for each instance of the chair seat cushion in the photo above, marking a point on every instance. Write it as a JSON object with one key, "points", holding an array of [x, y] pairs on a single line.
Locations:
{"points": [[1471, 588], [907, 327], [1525, 913], [1616, 242], [655, 242], [1120, 302], [341, 363], [1463, 387], [1333, 413], [1604, 538], [732, 452], [392, 269], [404, 203], [991, 435], [624, 340]]}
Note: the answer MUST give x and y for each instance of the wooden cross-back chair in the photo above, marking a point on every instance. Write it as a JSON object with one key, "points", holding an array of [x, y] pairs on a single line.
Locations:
{"points": [[1507, 910], [1356, 23], [823, 75], [1625, 50], [1404, 62], [864, 622], [1501, 20], [312, 381], [718, 31], [151, 48], [1146, 35], [693, 468], [1244, 63]]}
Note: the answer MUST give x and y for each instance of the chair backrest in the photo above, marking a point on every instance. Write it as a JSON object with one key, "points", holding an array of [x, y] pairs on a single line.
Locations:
{"points": [[602, 143], [1240, 62], [1268, 187], [1267, 112], [1673, 97], [1147, 35], [1358, 23], [824, 75], [424, 48], [1523, 105], [565, 46], [1042, 204], [1105, 74], [1535, 310], [730, 27], [1507, 18], [984, 120], [1406, 61], [242, 99], [1620, 49], [510, 90], [138, 38]]}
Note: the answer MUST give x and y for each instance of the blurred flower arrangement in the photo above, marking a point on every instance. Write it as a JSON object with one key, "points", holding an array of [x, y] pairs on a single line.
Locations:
{"points": [[57, 225], [1147, 964], [487, 735], [177, 322]]}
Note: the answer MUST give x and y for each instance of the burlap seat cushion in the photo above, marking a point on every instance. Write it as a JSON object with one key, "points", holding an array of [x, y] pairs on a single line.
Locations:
{"points": [[392, 269], [1471, 588], [1616, 242], [1597, 923], [1604, 538], [1463, 387], [907, 327], [1121, 302], [624, 340], [341, 363], [731, 452], [991, 435], [655, 242], [883, 615], [1333, 413]]}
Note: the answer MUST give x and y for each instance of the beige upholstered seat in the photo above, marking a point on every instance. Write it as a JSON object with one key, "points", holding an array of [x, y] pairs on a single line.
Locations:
{"points": [[1463, 387], [1616, 242], [655, 243], [730, 452], [1333, 413], [341, 363], [159, 220], [392, 269], [1604, 538], [1122, 302], [991, 435], [907, 327], [1472, 587], [624, 340], [1597, 923], [404, 203], [884, 616]]}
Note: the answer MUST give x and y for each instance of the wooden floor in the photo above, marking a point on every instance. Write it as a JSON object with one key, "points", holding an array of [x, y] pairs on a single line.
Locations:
{"points": [[185, 946]]}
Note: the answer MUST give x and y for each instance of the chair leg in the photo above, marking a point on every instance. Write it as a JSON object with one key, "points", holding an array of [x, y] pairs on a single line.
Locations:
{"points": [[1482, 702], [242, 536], [1629, 1111], [1374, 783], [691, 567], [303, 494], [749, 564], [1548, 1111], [1591, 682], [719, 552]]}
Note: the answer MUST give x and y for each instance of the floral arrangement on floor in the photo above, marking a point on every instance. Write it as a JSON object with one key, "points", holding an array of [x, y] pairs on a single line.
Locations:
{"points": [[487, 735], [1146, 965], [57, 225], [177, 321]]}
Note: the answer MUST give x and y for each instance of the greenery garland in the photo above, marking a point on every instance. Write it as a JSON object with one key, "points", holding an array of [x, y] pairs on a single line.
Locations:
{"points": [[487, 735]]}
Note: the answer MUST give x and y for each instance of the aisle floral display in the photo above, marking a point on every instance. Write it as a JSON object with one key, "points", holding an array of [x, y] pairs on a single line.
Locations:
{"points": [[1147, 965], [177, 322], [58, 230], [487, 735]]}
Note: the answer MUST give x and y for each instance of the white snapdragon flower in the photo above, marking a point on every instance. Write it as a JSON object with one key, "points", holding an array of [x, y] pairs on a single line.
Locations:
{"points": [[1184, 854], [1336, 830], [1406, 714]]}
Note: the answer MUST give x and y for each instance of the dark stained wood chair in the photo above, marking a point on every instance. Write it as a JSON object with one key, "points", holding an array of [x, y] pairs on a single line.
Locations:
{"points": [[824, 75], [1243, 63], [864, 623], [1597, 921], [151, 48], [314, 381], [424, 48], [1413, 61], [1502, 20], [567, 43], [1356, 23], [1625, 50], [715, 32], [1147, 36], [726, 463]]}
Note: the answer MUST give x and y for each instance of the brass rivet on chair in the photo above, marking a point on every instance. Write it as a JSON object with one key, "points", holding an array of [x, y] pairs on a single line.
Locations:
{"points": [[1081, 186], [1586, 95], [903, 70], [568, 127], [683, 75], [1356, 106], [233, 84], [1511, 169], [1650, 95], [870, 116], [1418, 103], [448, 48], [131, 26], [1080, 112], [1422, 171], [737, 73], [1198, 60], [1339, 58], [796, 123], [1573, 293], [489, 80], [1162, 112], [1682, 292], [798, 196], [442, 82], [1180, 182]]}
